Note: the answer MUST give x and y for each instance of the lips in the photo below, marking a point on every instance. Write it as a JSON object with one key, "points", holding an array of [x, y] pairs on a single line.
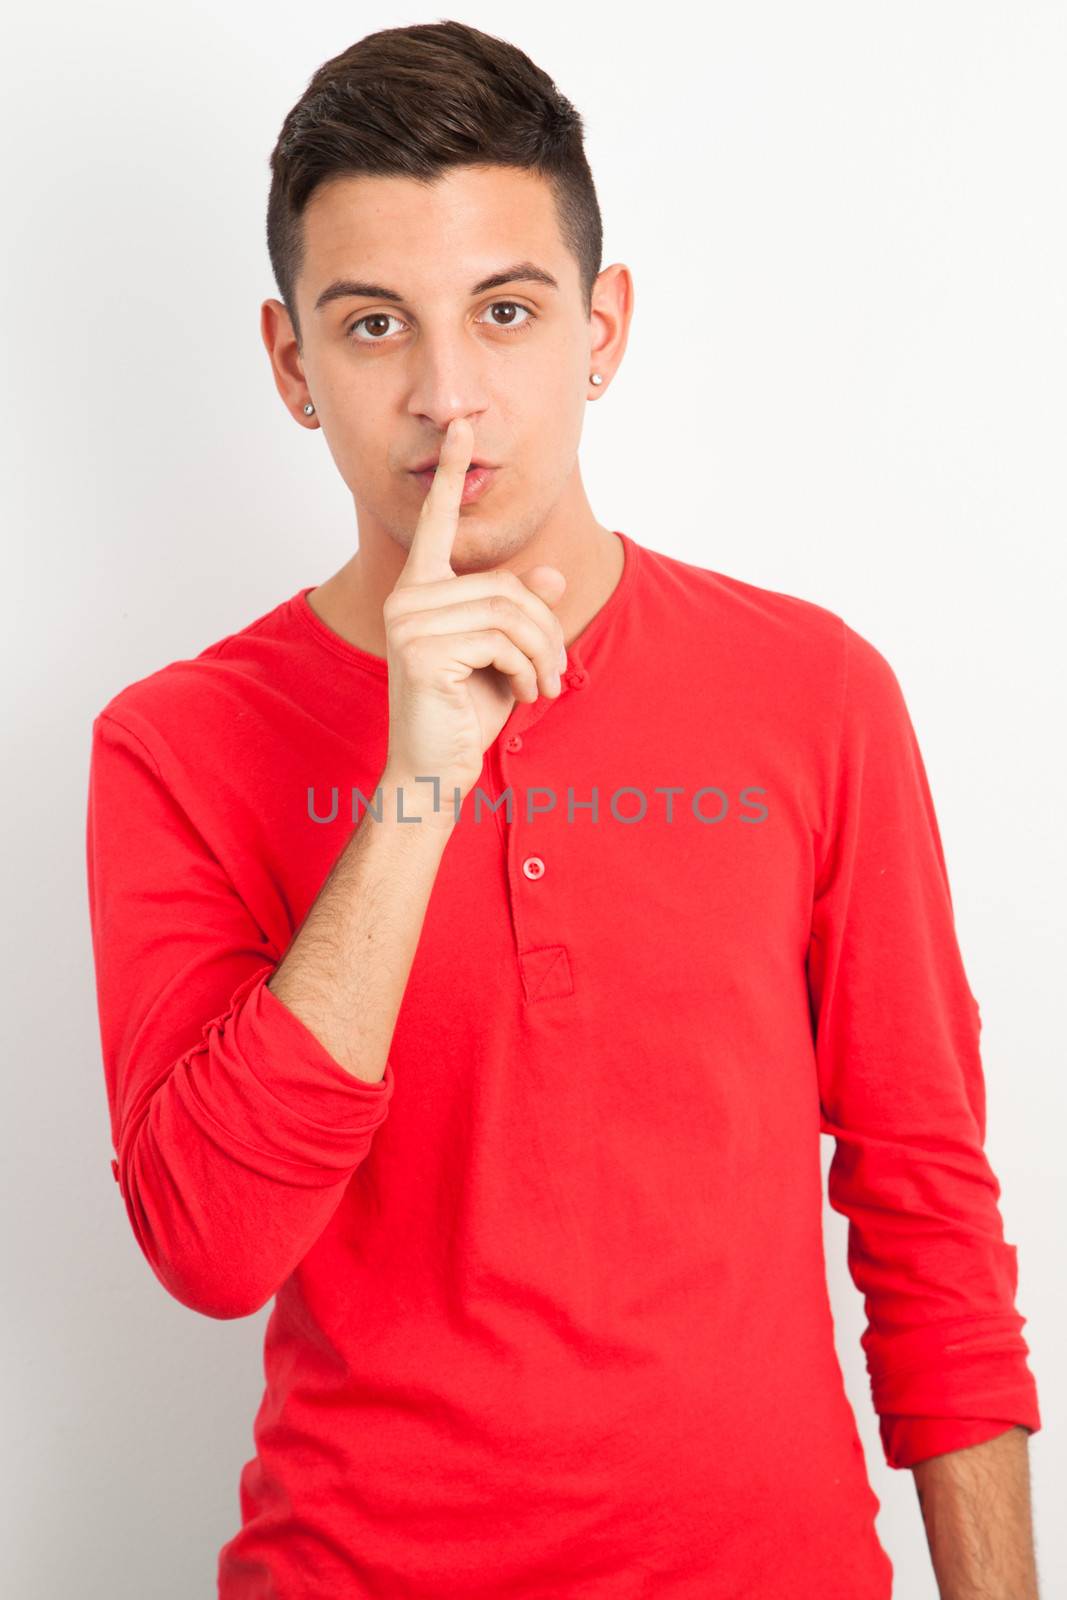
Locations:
{"points": [[477, 481], [429, 466]]}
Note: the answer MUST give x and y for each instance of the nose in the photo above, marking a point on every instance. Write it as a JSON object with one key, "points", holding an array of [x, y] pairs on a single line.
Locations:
{"points": [[447, 381]]}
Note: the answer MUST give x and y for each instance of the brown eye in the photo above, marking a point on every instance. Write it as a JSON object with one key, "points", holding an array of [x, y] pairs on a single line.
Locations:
{"points": [[375, 317], [529, 316]]}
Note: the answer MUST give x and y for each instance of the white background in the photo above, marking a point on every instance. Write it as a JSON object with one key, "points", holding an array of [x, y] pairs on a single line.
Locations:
{"points": [[845, 380]]}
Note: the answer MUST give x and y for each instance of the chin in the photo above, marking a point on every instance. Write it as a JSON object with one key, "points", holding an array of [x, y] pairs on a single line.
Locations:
{"points": [[476, 549]]}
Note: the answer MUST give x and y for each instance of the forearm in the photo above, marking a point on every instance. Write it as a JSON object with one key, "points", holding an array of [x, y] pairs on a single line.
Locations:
{"points": [[346, 970], [976, 1511]]}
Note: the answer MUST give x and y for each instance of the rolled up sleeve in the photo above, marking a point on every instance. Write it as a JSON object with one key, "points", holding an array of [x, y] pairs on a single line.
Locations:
{"points": [[235, 1132], [902, 1093]]}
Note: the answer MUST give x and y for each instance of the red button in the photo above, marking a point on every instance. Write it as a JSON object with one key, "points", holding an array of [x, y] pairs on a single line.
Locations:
{"points": [[514, 742], [533, 867], [576, 678]]}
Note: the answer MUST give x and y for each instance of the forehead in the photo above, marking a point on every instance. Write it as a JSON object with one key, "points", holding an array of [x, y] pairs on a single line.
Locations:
{"points": [[457, 227]]}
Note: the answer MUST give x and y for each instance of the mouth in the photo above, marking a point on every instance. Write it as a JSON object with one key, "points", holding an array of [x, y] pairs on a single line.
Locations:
{"points": [[478, 480], [431, 466]]}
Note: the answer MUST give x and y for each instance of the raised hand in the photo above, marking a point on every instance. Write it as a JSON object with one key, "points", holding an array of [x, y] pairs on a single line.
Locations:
{"points": [[461, 649]]}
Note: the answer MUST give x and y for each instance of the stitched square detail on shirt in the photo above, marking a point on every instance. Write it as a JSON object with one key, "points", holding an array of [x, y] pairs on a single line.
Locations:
{"points": [[546, 973]]}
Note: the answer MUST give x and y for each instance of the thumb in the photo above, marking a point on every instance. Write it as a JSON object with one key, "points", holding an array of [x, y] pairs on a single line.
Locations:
{"points": [[547, 583]]}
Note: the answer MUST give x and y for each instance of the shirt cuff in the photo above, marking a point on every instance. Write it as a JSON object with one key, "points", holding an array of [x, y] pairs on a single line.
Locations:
{"points": [[264, 1080], [909, 1440]]}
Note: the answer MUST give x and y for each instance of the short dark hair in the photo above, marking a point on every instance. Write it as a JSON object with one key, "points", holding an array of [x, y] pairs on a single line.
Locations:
{"points": [[414, 101]]}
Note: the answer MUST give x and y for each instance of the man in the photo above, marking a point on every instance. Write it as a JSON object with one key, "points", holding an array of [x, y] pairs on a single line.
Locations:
{"points": [[485, 936]]}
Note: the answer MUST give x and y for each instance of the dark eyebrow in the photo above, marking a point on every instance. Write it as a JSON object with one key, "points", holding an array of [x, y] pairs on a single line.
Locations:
{"points": [[521, 272]]}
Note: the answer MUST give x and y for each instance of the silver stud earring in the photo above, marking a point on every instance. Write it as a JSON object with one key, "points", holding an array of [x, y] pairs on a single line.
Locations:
{"points": [[596, 378], [308, 409]]}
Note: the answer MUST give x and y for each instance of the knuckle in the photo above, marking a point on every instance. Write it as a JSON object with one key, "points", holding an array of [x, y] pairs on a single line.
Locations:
{"points": [[400, 628], [415, 652]]}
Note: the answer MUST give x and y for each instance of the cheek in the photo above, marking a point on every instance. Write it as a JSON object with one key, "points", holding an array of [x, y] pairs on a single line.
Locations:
{"points": [[568, 415], [360, 444], [547, 416], [555, 394], [365, 436]]}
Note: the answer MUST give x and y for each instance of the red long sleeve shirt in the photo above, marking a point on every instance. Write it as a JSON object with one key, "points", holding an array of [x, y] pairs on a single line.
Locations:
{"points": [[550, 1305]]}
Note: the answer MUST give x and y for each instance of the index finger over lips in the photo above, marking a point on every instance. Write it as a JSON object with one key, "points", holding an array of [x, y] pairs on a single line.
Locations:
{"points": [[435, 533]]}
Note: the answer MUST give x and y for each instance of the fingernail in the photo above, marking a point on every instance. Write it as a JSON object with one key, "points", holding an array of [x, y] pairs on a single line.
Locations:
{"points": [[562, 658]]}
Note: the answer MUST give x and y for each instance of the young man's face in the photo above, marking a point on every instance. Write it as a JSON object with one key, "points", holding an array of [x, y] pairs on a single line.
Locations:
{"points": [[386, 376]]}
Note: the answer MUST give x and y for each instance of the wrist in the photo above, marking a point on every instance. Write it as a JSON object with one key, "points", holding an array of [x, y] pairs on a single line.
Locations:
{"points": [[419, 801]]}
